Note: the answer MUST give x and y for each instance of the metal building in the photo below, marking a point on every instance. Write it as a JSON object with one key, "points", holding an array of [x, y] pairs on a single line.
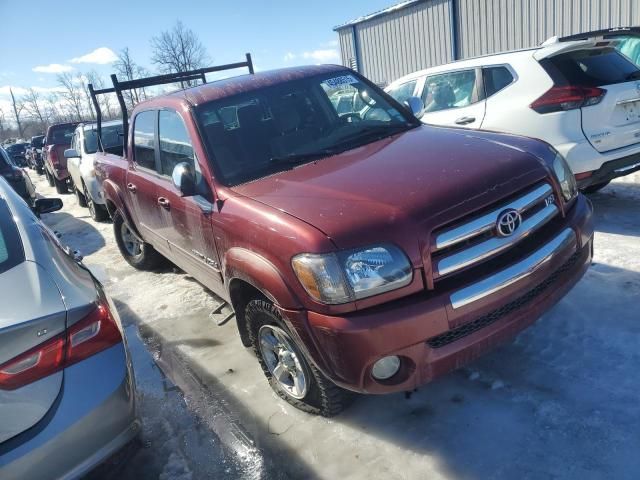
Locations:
{"points": [[417, 34]]}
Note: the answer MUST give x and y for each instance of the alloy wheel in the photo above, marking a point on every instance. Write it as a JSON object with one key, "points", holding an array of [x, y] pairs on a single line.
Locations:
{"points": [[130, 241], [283, 360]]}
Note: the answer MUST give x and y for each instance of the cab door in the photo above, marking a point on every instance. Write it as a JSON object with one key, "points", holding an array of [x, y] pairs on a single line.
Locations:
{"points": [[454, 99], [188, 219], [142, 178]]}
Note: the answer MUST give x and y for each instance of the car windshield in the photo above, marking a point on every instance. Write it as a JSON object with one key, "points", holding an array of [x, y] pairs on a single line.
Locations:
{"points": [[60, 134], [37, 142], [271, 129], [111, 137], [16, 148]]}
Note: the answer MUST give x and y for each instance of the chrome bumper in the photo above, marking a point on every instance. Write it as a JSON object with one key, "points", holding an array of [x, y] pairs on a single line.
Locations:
{"points": [[515, 272]]}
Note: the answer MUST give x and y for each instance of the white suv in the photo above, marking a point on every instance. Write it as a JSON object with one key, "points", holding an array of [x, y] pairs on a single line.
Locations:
{"points": [[580, 95]]}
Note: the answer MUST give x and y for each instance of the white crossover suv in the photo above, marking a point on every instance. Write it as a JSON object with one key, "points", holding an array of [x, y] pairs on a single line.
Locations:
{"points": [[580, 94]]}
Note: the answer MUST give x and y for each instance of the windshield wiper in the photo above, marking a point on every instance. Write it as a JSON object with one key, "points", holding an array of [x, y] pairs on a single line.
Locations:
{"points": [[377, 131], [293, 158]]}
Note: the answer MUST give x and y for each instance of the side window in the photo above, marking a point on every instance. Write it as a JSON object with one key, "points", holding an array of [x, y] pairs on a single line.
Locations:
{"points": [[449, 90], [495, 79], [402, 92], [144, 139], [175, 145]]}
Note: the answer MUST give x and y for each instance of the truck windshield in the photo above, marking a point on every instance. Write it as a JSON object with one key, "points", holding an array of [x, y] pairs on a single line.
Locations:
{"points": [[111, 137], [271, 129]]}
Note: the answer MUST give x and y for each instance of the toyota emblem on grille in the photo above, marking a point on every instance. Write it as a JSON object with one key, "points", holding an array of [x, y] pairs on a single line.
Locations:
{"points": [[508, 222]]}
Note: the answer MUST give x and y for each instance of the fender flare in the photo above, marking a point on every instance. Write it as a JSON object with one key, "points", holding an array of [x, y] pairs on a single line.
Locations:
{"points": [[113, 194], [252, 268]]}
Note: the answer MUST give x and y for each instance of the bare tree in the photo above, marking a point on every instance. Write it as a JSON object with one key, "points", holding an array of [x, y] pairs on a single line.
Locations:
{"points": [[17, 109], [103, 100], [128, 69], [33, 105], [178, 50], [72, 94]]}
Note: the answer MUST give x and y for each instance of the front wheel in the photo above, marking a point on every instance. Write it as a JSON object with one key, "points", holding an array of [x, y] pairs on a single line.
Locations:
{"points": [[49, 178], [82, 201], [137, 253], [289, 373]]}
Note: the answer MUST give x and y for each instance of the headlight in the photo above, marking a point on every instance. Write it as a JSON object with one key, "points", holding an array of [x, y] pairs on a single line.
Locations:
{"points": [[565, 177], [343, 277]]}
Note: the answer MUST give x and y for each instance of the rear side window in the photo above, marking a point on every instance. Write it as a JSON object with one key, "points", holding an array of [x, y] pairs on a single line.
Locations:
{"points": [[175, 144], [401, 93], [11, 253], [590, 68], [144, 139], [495, 79], [60, 134]]}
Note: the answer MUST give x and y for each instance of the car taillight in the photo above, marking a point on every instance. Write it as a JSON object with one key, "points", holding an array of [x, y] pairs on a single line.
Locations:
{"points": [[558, 99], [93, 334], [53, 156]]}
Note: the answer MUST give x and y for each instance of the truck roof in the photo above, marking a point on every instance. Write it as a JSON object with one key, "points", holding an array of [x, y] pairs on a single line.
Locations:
{"points": [[246, 83]]}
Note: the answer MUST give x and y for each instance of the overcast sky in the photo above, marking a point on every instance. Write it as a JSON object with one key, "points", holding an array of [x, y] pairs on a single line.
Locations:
{"points": [[41, 38]]}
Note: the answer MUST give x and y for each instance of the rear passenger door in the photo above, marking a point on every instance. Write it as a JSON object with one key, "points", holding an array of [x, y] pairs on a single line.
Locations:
{"points": [[187, 223], [454, 98], [142, 178]]}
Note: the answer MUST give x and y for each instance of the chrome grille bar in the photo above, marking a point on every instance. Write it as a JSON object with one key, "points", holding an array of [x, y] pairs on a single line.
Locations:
{"points": [[495, 245], [514, 273], [488, 221]]}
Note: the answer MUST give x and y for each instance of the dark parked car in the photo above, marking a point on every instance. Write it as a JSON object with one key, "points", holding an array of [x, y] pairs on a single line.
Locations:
{"points": [[360, 251], [34, 154], [57, 140], [17, 178], [17, 152], [66, 386]]}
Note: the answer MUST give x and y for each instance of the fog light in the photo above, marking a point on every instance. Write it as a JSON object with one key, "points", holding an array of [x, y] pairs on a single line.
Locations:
{"points": [[386, 368]]}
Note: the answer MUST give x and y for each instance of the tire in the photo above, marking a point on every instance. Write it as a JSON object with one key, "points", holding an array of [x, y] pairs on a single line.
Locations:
{"points": [[316, 394], [39, 170], [49, 178], [98, 212], [146, 257], [82, 201], [596, 187], [61, 185]]}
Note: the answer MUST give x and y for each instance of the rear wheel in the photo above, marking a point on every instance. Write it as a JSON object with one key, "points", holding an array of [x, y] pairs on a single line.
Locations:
{"points": [[596, 187], [289, 373], [137, 253], [61, 185], [98, 212]]}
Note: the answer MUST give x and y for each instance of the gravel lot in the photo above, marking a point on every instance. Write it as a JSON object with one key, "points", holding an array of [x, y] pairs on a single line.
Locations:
{"points": [[561, 401]]}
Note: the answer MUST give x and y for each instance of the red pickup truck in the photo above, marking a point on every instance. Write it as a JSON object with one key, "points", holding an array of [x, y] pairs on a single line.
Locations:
{"points": [[57, 140], [360, 251]]}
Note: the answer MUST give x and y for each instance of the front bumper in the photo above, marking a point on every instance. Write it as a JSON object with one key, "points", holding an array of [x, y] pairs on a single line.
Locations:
{"points": [[93, 417], [434, 334], [612, 169]]}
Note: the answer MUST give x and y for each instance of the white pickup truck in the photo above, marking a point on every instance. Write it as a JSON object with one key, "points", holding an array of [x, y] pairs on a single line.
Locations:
{"points": [[80, 158]]}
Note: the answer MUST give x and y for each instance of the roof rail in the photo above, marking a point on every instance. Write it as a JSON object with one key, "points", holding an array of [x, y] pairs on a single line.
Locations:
{"points": [[119, 87]]}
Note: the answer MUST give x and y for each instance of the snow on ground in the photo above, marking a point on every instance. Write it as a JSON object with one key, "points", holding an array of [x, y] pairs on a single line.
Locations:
{"points": [[561, 401]]}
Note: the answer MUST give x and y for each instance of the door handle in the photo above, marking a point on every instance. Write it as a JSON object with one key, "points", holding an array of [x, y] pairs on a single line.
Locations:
{"points": [[131, 187], [164, 203], [465, 120]]}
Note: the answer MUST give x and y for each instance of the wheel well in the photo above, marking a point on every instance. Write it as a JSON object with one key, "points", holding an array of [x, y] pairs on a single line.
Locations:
{"points": [[111, 208], [241, 293]]}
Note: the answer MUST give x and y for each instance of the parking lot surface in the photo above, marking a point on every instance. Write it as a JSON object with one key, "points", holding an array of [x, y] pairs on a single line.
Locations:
{"points": [[558, 402]]}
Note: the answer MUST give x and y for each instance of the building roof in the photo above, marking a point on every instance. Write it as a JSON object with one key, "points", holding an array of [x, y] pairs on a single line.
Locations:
{"points": [[379, 13]]}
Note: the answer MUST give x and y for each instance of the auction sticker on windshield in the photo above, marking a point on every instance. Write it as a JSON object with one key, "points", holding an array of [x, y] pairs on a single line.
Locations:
{"points": [[341, 80]]}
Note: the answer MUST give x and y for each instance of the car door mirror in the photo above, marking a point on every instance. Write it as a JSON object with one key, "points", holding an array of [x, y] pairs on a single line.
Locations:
{"points": [[47, 205], [415, 105], [71, 153], [184, 179]]}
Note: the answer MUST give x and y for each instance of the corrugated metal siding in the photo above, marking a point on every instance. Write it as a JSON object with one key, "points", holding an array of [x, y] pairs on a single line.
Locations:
{"points": [[403, 41], [489, 26], [419, 35], [347, 49]]}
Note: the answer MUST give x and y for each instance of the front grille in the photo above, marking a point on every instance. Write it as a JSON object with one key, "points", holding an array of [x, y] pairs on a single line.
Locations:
{"points": [[475, 240], [491, 317]]}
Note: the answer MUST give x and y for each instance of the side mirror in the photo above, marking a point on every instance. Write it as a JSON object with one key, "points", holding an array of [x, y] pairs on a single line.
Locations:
{"points": [[415, 106], [47, 205], [71, 153], [184, 179]]}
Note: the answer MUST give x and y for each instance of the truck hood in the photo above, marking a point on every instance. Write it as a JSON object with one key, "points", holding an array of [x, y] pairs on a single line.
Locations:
{"points": [[403, 186]]}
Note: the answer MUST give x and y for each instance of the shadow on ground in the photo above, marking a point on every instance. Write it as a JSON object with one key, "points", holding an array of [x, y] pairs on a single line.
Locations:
{"points": [[78, 234]]}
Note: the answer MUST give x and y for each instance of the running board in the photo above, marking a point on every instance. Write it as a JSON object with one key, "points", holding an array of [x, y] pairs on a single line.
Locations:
{"points": [[222, 313]]}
